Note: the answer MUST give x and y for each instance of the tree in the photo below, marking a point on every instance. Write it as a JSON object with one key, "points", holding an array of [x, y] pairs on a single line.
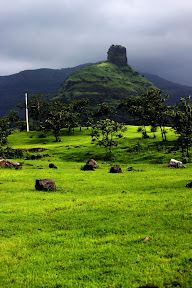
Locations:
{"points": [[105, 133], [56, 122], [80, 109], [105, 110], [5, 130], [157, 111], [13, 118], [57, 118], [182, 116], [150, 108]]}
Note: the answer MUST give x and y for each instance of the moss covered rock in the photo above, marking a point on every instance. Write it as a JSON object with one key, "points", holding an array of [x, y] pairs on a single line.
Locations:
{"points": [[117, 55]]}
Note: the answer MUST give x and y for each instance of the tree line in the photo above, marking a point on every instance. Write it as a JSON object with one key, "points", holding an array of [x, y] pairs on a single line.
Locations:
{"points": [[150, 109]]}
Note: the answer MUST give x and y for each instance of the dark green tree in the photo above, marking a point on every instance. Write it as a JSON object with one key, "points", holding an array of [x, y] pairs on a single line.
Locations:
{"points": [[57, 118], [106, 133], [13, 119], [56, 121], [156, 110], [5, 130], [150, 108], [80, 110], [182, 117], [105, 110]]}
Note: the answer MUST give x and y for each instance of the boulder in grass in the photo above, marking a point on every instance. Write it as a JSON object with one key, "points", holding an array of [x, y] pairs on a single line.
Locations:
{"points": [[51, 165], [93, 163], [115, 170], [175, 164], [189, 185], [45, 185], [10, 164], [88, 167]]}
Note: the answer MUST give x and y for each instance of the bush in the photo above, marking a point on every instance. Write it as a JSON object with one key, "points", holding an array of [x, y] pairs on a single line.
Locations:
{"points": [[153, 129], [144, 135], [10, 153], [139, 129], [42, 136]]}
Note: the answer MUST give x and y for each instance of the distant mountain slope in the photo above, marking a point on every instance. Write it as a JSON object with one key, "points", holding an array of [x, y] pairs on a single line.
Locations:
{"points": [[103, 82], [174, 90], [47, 81]]}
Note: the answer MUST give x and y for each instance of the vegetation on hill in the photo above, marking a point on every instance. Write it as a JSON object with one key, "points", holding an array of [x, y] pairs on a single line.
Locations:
{"points": [[104, 82], [49, 81]]}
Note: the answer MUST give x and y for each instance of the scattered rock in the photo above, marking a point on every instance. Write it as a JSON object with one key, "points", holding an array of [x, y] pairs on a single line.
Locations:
{"points": [[10, 164], [51, 165], [115, 170], [88, 167], [175, 164], [189, 185], [93, 163], [130, 169], [45, 185]]}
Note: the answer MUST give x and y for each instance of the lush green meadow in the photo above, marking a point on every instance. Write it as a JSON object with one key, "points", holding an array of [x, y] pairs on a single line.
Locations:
{"points": [[92, 231]]}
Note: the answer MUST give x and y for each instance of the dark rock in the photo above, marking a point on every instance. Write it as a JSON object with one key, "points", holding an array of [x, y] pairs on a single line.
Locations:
{"points": [[115, 170], [10, 164], [189, 185], [117, 55], [93, 163], [51, 165], [45, 185], [130, 169], [88, 167]]}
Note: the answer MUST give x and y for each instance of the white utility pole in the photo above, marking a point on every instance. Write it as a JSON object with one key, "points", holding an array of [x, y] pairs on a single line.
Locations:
{"points": [[27, 113]]}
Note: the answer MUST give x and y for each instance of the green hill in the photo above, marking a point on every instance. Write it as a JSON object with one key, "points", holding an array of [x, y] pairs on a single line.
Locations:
{"points": [[104, 82]]}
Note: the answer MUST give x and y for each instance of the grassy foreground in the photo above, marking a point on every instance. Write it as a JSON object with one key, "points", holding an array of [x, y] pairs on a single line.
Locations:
{"points": [[92, 231]]}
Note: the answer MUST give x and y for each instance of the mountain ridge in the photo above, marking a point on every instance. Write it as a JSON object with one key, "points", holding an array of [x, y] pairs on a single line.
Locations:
{"points": [[13, 87]]}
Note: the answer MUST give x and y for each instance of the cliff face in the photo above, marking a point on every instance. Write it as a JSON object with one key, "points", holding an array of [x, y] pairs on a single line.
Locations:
{"points": [[117, 55]]}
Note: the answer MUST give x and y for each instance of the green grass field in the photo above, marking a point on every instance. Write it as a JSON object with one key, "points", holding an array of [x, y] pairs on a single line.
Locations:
{"points": [[92, 231]]}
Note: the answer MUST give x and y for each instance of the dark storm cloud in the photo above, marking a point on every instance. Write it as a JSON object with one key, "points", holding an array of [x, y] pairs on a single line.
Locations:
{"points": [[65, 33]]}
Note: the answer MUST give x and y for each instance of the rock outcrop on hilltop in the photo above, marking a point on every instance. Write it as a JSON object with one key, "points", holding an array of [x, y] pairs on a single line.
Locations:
{"points": [[109, 81], [117, 55]]}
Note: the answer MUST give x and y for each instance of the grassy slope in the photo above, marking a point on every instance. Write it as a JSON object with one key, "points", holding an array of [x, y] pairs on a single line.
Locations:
{"points": [[103, 82], [91, 231]]}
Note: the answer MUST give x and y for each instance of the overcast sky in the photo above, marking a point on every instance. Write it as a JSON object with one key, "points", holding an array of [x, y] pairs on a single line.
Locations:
{"points": [[65, 33]]}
